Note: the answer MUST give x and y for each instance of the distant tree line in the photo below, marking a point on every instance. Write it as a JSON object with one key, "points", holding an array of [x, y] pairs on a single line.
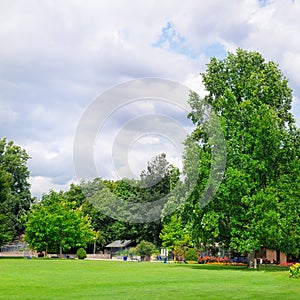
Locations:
{"points": [[256, 205]]}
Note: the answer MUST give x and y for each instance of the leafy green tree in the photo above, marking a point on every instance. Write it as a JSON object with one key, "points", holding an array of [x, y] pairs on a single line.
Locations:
{"points": [[174, 235], [15, 197], [288, 191], [56, 224], [97, 195], [156, 182], [252, 101], [6, 232], [145, 248]]}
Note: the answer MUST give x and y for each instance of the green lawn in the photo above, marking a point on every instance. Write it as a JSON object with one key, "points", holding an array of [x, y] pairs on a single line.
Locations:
{"points": [[83, 279]]}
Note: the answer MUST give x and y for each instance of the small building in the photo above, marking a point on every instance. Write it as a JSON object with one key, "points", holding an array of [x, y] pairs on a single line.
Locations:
{"points": [[119, 245], [271, 256]]}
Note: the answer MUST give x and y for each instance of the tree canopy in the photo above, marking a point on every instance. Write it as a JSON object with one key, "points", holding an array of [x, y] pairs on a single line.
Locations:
{"points": [[256, 205], [58, 225], [252, 100], [15, 197]]}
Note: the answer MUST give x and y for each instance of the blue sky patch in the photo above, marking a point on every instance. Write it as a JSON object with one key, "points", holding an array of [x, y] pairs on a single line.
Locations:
{"points": [[263, 3], [215, 49], [171, 40]]}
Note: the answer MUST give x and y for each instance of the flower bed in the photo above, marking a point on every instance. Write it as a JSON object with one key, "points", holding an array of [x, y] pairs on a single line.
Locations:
{"points": [[286, 264], [223, 261], [227, 264], [212, 259]]}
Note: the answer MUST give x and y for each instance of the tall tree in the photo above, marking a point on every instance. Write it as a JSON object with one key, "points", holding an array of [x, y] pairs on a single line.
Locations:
{"points": [[157, 181], [252, 100], [15, 197], [6, 225]]}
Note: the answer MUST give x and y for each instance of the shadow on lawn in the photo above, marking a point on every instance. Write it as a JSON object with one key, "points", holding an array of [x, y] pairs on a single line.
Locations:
{"points": [[270, 268]]}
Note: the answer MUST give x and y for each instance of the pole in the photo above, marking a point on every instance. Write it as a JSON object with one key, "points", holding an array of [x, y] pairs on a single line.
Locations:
{"points": [[95, 246]]}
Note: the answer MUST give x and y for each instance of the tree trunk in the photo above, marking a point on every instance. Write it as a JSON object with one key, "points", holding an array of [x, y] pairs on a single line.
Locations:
{"points": [[60, 249]]}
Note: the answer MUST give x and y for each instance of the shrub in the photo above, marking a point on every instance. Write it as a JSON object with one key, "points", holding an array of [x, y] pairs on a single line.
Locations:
{"points": [[145, 248], [81, 253], [191, 255], [132, 252], [295, 270]]}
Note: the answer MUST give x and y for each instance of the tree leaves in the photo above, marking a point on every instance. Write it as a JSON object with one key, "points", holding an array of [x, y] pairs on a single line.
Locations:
{"points": [[58, 224], [15, 197], [252, 100]]}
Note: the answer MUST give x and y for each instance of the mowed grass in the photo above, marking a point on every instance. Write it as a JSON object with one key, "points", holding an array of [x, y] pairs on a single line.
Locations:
{"points": [[84, 279]]}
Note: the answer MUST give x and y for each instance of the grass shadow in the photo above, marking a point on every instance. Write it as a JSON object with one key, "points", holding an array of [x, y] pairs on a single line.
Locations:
{"points": [[266, 268]]}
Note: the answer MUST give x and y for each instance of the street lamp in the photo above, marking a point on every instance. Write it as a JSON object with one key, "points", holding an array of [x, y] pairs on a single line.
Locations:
{"points": [[94, 245]]}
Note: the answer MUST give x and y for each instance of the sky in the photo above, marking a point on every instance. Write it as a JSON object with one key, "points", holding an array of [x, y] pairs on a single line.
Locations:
{"points": [[59, 57]]}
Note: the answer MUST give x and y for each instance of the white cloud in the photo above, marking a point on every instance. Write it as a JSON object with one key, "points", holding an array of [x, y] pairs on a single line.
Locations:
{"points": [[42, 185], [194, 82], [7, 114], [148, 140], [57, 56]]}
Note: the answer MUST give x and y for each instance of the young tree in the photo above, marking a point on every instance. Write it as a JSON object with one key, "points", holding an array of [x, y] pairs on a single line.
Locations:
{"points": [[174, 235], [145, 249], [58, 224], [252, 101]]}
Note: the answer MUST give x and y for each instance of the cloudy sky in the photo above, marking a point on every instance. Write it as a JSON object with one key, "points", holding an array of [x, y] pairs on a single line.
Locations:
{"points": [[56, 57]]}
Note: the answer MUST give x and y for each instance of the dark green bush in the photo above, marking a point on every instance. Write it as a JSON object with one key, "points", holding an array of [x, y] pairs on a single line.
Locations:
{"points": [[81, 253], [145, 248], [191, 254]]}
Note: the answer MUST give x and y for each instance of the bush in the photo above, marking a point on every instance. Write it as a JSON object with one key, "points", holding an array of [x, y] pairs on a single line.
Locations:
{"points": [[132, 252], [145, 248], [81, 253], [191, 255]]}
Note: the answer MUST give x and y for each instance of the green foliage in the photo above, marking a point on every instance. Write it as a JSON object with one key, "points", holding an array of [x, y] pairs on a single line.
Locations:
{"points": [[190, 255], [6, 233], [295, 270], [145, 248], [81, 253], [56, 224], [15, 198], [132, 252], [156, 182], [174, 235], [6, 226], [256, 203]]}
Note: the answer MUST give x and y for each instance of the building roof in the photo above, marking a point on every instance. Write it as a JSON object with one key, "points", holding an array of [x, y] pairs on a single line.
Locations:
{"points": [[119, 244]]}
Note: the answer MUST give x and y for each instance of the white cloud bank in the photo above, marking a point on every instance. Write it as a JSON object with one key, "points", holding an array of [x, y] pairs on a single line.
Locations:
{"points": [[57, 56]]}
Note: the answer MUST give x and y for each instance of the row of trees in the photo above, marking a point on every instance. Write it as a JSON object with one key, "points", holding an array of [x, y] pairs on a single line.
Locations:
{"points": [[62, 222], [256, 205]]}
